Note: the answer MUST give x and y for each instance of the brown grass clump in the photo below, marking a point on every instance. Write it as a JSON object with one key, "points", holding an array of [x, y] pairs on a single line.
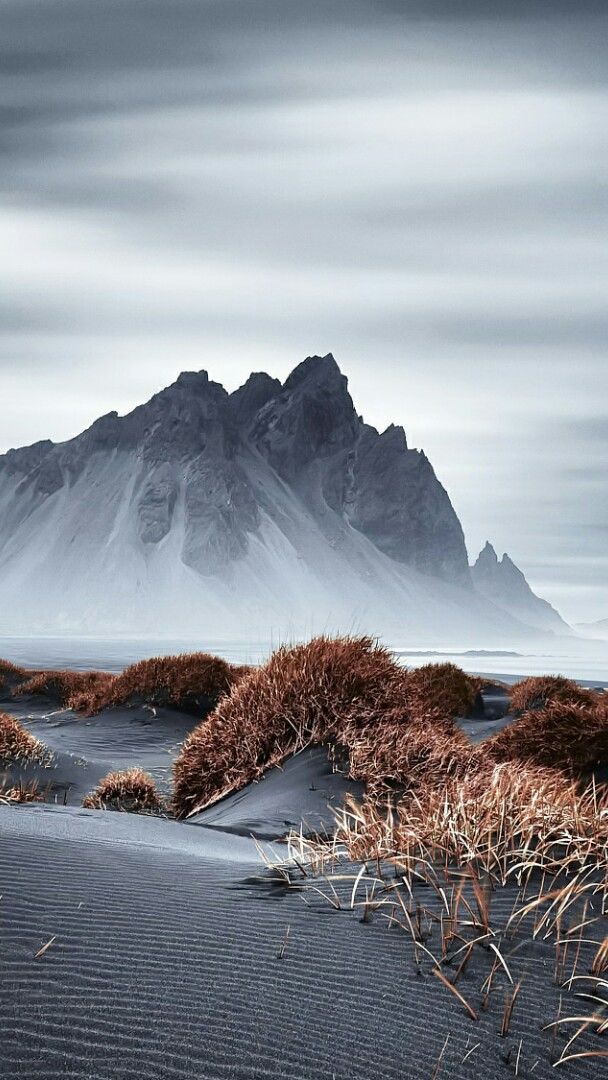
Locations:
{"points": [[394, 725], [564, 735], [431, 865], [445, 825], [21, 793], [10, 674], [16, 743], [58, 685], [538, 690], [444, 689], [323, 691], [131, 790], [407, 755], [192, 682], [62, 686], [494, 817]]}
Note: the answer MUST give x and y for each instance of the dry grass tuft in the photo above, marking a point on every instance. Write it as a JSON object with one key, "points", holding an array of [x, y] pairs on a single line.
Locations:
{"points": [[131, 790], [17, 744], [402, 753], [192, 682], [503, 820], [538, 690], [349, 693], [396, 727], [21, 793], [58, 685], [567, 735], [324, 691], [62, 686], [442, 689], [10, 673], [444, 824]]}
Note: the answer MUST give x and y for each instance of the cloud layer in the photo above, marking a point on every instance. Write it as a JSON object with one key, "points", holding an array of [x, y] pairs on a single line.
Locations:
{"points": [[222, 184]]}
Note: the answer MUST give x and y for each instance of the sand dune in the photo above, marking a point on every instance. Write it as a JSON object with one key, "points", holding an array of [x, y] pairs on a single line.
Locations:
{"points": [[85, 749], [137, 946], [165, 963]]}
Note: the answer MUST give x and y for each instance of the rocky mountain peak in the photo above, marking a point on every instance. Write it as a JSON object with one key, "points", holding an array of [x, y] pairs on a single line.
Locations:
{"points": [[487, 556], [394, 437], [508, 564], [284, 479], [320, 372], [252, 396], [191, 385], [26, 458], [195, 383], [502, 582], [312, 418]]}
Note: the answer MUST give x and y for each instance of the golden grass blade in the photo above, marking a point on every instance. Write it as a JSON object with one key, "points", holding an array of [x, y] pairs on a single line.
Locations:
{"points": [[446, 982], [501, 960], [44, 948], [581, 1054]]}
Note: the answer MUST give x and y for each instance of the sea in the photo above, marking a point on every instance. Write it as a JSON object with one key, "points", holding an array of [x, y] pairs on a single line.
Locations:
{"points": [[578, 658]]}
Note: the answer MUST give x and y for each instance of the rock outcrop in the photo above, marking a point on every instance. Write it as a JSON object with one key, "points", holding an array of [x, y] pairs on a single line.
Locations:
{"points": [[503, 583]]}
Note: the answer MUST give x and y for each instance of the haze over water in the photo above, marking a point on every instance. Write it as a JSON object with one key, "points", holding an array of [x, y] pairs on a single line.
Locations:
{"points": [[579, 659]]}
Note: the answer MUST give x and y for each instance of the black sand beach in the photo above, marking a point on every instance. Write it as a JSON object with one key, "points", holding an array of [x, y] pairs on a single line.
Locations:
{"points": [[166, 962], [136, 946]]}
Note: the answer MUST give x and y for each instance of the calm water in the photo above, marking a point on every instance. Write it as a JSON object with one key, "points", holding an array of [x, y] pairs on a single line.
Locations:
{"points": [[583, 660]]}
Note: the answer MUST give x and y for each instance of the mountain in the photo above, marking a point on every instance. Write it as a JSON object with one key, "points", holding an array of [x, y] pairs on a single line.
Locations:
{"points": [[202, 512], [502, 582], [594, 629]]}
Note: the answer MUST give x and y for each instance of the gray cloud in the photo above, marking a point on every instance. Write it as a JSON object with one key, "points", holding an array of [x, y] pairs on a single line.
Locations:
{"points": [[416, 186]]}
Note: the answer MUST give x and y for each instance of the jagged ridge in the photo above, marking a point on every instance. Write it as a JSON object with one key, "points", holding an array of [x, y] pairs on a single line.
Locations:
{"points": [[502, 582], [207, 510]]}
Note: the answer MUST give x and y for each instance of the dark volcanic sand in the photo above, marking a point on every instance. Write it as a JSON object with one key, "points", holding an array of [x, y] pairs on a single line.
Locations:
{"points": [[87, 748], [165, 962]]}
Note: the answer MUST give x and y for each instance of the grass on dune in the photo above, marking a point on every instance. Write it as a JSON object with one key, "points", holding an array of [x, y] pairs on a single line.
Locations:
{"points": [[442, 689], [396, 728], [445, 826], [21, 793], [539, 690], [506, 821], [16, 743], [431, 863], [565, 735], [10, 673], [302, 696], [404, 752], [63, 686], [58, 685], [130, 790], [347, 692], [192, 682]]}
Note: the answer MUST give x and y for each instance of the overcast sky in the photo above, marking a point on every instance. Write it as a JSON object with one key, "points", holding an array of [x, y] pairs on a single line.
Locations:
{"points": [[418, 186]]}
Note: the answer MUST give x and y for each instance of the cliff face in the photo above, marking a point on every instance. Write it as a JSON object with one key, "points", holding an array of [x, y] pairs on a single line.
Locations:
{"points": [[503, 583], [211, 510], [310, 434]]}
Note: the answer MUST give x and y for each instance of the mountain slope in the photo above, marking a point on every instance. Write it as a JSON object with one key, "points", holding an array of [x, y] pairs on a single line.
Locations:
{"points": [[228, 514], [502, 582], [594, 629]]}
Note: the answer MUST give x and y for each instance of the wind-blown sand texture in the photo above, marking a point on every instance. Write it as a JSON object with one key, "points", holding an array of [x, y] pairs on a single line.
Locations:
{"points": [[174, 955]]}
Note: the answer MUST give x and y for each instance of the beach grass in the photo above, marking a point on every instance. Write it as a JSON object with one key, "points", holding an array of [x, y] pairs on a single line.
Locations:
{"points": [[129, 790]]}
